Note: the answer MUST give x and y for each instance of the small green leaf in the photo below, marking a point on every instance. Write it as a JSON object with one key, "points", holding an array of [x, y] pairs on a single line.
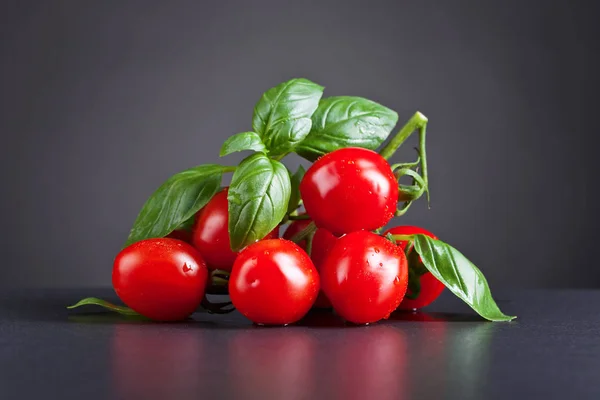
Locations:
{"points": [[94, 301], [459, 275], [282, 115], [176, 201], [241, 142], [295, 179], [258, 198], [346, 121]]}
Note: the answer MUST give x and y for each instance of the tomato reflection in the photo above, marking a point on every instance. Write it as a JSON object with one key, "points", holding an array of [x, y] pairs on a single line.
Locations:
{"points": [[155, 362], [369, 362], [272, 363]]}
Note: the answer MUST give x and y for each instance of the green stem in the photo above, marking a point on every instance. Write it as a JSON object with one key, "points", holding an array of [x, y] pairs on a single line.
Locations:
{"points": [[229, 168], [417, 122], [403, 238], [298, 217], [278, 158], [305, 233], [404, 209]]}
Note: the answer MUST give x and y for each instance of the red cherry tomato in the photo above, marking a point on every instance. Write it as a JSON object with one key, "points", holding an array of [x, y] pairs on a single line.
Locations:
{"points": [[323, 241], [273, 282], [163, 279], [350, 189], [431, 288], [211, 236], [365, 277]]}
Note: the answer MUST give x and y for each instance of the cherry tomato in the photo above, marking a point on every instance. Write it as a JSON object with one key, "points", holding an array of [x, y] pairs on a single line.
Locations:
{"points": [[431, 288], [163, 279], [273, 282], [365, 277], [350, 189], [211, 236], [323, 241]]}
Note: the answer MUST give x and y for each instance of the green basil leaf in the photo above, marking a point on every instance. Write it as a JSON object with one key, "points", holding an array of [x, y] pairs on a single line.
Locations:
{"points": [[243, 141], [176, 201], [347, 121], [459, 275], [258, 199], [103, 303], [295, 179], [282, 115]]}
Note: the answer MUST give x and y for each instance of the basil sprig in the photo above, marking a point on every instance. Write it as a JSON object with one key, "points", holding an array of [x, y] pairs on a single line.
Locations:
{"points": [[293, 117]]}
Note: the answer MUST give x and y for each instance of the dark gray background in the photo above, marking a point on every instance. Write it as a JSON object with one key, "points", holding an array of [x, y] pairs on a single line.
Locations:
{"points": [[103, 100]]}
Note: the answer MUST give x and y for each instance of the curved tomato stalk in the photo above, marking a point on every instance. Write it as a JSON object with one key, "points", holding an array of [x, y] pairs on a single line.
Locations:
{"points": [[306, 234], [420, 186]]}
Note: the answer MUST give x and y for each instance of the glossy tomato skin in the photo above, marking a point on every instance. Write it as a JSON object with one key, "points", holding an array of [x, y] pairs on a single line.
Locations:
{"points": [[163, 279], [323, 241], [211, 236], [350, 189], [431, 287], [273, 282], [365, 277]]}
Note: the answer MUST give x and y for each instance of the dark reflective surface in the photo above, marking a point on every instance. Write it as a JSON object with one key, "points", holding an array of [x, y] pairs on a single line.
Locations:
{"points": [[551, 351]]}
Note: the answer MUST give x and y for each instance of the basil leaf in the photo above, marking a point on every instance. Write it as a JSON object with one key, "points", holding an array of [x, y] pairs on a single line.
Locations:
{"points": [[459, 275], [347, 121], [258, 199], [282, 115], [295, 179], [243, 141], [176, 201], [103, 303]]}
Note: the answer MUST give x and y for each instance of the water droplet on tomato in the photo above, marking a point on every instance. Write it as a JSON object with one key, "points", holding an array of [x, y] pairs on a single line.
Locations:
{"points": [[381, 265], [396, 281], [254, 283], [187, 268], [376, 250], [267, 252]]}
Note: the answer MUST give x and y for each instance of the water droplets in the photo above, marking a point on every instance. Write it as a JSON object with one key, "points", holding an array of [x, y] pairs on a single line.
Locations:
{"points": [[396, 281], [254, 283], [186, 268]]}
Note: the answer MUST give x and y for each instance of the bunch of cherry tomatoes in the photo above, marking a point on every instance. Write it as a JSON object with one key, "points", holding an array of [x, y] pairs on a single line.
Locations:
{"points": [[331, 256]]}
